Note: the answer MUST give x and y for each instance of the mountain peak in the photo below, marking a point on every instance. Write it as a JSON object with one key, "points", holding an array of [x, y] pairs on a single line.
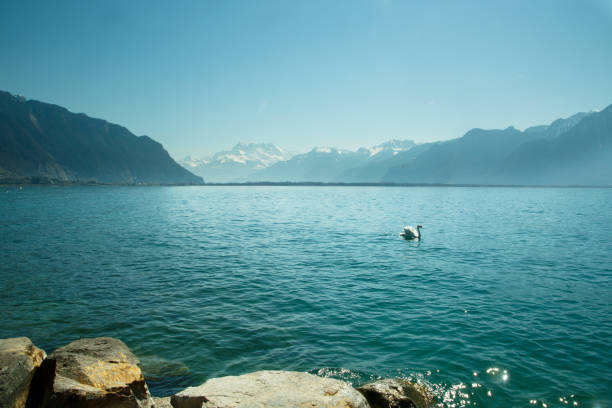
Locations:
{"points": [[393, 145], [237, 163], [323, 149], [606, 109], [559, 126]]}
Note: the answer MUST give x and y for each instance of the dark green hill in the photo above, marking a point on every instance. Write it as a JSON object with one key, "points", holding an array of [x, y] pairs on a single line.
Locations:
{"points": [[41, 142]]}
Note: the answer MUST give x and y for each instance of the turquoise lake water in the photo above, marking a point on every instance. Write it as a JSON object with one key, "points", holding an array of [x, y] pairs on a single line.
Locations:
{"points": [[506, 301]]}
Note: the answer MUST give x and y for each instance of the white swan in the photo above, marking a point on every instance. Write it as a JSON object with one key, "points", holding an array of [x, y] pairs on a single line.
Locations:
{"points": [[411, 232]]}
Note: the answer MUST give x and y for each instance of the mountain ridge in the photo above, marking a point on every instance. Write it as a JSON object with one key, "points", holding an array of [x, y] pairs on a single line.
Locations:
{"points": [[236, 164], [42, 142], [583, 152], [479, 157], [512, 159], [46, 143], [326, 164]]}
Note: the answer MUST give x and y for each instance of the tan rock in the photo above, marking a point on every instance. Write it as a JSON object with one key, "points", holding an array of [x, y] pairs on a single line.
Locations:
{"points": [[19, 360], [396, 393], [162, 402], [99, 372], [271, 389]]}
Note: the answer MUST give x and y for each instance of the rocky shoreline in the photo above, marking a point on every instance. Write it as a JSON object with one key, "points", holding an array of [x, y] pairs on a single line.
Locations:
{"points": [[103, 372]]}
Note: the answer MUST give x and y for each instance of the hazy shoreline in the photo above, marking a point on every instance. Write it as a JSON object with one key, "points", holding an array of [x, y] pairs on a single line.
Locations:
{"points": [[290, 184]]}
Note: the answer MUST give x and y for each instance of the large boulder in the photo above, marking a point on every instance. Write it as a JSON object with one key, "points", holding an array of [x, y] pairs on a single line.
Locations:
{"points": [[100, 372], [271, 389], [19, 360], [162, 402], [396, 393]]}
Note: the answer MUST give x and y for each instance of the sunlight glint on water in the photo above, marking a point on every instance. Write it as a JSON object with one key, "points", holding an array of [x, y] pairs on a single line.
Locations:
{"points": [[504, 302]]}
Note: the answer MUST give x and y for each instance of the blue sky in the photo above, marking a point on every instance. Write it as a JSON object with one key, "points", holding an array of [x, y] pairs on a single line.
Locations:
{"points": [[199, 76]]}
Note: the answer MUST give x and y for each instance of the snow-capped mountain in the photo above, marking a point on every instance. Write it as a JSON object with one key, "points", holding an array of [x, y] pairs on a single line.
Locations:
{"points": [[237, 163], [390, 148], [570, 151], [329, 164]]}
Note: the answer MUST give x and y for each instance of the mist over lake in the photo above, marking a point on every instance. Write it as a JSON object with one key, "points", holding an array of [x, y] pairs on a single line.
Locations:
{"points": [[505, 299]]}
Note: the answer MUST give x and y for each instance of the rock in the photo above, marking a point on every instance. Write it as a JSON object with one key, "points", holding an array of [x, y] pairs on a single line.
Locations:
{"points": [[19, 360], [271, 389], [100, 372], [396, 393], [162, 402]]}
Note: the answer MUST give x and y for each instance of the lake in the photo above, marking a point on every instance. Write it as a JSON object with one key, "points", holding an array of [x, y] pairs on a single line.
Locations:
{"points": [[506, 301]]}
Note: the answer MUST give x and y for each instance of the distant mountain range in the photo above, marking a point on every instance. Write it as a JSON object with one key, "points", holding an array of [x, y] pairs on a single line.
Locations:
{"points": [[328, 164], [255, 162], [44, 143], [237, 164], [572, 151], [581, 155]]}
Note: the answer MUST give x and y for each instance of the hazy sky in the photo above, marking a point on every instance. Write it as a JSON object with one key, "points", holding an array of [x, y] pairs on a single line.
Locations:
{"points": [[200, 76]]}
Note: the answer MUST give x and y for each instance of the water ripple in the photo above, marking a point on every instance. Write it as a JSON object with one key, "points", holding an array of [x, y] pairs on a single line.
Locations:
{"points": [[497, 305]]}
